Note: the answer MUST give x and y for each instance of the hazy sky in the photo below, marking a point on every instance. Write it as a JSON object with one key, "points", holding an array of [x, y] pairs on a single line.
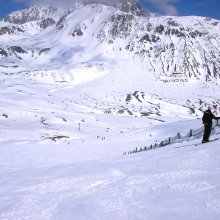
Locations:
{"points": [[206, 8]]}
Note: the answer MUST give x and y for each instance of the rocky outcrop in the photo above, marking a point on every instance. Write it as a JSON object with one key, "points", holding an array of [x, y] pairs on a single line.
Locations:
{"points": [[17, 49], [3, 53], [47, 23], [10, 30], [44, 51]]}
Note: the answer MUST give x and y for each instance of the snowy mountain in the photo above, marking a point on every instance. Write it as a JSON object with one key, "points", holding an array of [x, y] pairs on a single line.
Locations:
{"points": [[82, 85], [50, 43], [167, 46]]}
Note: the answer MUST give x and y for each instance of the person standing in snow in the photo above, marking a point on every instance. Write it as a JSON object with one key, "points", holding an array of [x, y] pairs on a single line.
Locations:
{"points": [[207, 121]]}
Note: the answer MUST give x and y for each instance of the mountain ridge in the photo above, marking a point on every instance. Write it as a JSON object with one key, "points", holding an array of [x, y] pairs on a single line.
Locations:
{"points": [[156, 40], [98, 41]]}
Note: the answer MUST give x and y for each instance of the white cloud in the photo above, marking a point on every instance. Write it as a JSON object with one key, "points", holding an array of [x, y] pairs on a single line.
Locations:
{"points": [[165, 6], [57, 3], [62, 3]]}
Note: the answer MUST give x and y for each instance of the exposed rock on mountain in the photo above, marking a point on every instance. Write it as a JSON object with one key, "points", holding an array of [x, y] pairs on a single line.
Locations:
{"points": [[47, 23], [3, 53], [10, 30]]}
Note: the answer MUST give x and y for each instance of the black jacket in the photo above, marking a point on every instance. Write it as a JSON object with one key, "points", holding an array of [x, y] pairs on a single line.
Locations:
{"points": [[208, 116]]}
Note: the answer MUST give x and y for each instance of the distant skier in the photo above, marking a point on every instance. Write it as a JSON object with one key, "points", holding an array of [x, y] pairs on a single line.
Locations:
{"points": [[207, 121]]}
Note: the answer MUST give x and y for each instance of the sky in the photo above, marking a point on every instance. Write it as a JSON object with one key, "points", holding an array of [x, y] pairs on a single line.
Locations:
{"points": [[205, 8]]}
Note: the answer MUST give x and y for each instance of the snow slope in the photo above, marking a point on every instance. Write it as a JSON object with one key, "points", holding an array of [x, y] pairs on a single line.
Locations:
{"points": [[87, 180], [62, 154]]}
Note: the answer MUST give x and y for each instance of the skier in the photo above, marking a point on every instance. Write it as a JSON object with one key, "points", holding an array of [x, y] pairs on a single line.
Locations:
{"points": [[207, 121]]}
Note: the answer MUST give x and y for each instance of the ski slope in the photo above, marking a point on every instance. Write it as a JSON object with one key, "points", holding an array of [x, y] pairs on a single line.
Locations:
{"points": [[86, 181], [62, 155]]}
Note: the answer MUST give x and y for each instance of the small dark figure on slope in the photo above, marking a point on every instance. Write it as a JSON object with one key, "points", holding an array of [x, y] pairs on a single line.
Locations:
{"points": [[207, 121]]}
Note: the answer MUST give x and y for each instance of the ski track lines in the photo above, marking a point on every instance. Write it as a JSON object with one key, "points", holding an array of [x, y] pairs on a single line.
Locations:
{"points": [[141, 187]]}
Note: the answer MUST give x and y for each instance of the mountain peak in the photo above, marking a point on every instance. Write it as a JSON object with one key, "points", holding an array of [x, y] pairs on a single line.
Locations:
{"points": [[30, 14], [131, 6], [38, 12], [128, 6]]}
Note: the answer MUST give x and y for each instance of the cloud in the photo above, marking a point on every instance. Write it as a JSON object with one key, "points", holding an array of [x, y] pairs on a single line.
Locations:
{"points": [[56, 3], [63, 3], [165, 6]]}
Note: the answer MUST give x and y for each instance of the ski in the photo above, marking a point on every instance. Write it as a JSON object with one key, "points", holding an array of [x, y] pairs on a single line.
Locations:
{"points": [[197, 144], [207, 142]]}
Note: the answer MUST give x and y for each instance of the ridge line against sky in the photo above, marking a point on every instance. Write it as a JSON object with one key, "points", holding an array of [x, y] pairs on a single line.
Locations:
{"points": [[204, 8]]}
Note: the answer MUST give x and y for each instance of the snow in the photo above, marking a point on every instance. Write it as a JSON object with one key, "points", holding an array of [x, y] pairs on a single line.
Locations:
{"points": [[84, 174], [68, 116], [47, 181]]}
